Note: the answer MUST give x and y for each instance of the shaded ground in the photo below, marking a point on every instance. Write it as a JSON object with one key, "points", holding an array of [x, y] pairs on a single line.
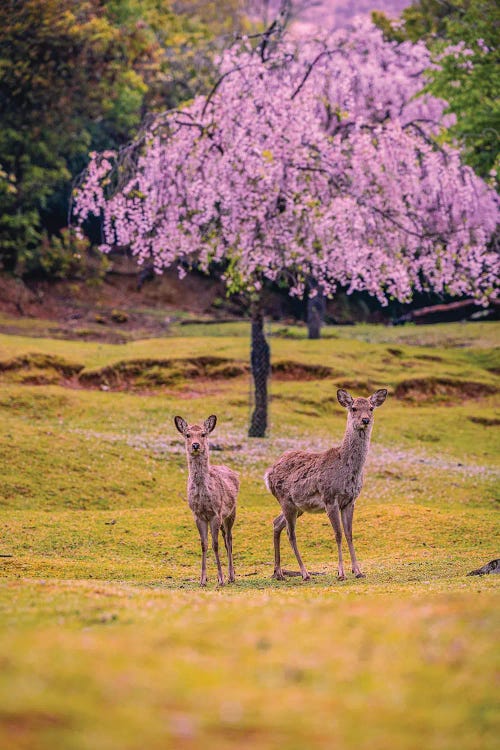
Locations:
{"points": [[114, 310]]}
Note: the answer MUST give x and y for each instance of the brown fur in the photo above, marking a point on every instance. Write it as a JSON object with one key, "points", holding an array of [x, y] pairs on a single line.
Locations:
{"points": [[330, 481], [212, 493]]}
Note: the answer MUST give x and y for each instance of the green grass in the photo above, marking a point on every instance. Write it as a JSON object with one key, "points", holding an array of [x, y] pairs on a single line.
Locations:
{"points": [[107, 641]]}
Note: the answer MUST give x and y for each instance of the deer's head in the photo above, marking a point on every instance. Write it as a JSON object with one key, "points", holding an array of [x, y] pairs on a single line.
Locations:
{"points": [[196, 437], [360, 410]]}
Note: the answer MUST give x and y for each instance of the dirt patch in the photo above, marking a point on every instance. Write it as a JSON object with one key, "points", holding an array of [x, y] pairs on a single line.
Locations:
{"points": [[120, 308], [27, 724], [428, 389], [485, 421], [117, 301], [428, 357], [289, 370]]}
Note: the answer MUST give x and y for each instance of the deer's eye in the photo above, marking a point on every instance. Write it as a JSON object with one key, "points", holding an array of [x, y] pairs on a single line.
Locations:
{"points": [[203, 434], [354, 408], [371, 408], [188, 435]]}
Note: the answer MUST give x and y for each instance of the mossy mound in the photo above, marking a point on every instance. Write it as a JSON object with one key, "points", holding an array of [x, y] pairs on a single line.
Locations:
{"points": [[289, 370], [39, 362], [358, 387], [428, 389], [155, 373]]}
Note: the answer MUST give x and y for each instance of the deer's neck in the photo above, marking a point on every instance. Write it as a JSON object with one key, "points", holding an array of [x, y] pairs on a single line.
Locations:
{"points": [[198, 470], [354, 448]]}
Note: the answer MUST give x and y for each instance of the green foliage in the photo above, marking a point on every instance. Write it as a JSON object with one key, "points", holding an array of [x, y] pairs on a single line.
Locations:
{"points": [[76, 76], [67, 256], [423, 19], [56, 71], [468, 82]]}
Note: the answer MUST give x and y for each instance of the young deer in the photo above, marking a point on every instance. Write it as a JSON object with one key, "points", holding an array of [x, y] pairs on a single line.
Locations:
{"points": [[331, 481], [212, 492]]}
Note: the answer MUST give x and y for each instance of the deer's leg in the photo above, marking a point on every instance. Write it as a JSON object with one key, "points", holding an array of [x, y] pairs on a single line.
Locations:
{"points": [[279, 524], [214, 528], [227, 533], [333, 513], [203, 530], [347, 514], [291, 520]]}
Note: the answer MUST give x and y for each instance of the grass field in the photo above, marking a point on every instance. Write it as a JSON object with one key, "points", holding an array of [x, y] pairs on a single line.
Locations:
{"points": [[106, 639]]}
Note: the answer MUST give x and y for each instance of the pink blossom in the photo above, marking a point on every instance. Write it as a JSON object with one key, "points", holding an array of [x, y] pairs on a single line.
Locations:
{"points": [[319, 161]]}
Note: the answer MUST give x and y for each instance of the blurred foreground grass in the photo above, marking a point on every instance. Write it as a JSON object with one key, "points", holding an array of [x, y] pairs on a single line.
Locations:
{"points": [[106, 640]]}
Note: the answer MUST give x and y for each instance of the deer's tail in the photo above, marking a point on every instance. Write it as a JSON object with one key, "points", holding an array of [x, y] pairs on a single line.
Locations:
{"points": [[267, 479]]}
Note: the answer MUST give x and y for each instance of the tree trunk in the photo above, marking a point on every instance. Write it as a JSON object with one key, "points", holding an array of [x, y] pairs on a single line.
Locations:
{"points": [[261, 364], [315, 311]]}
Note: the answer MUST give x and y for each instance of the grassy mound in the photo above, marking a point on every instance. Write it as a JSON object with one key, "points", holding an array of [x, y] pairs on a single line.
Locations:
{"points": [[40, 361], [154, 373], [289, 370], [432, 388], [146, 373]]}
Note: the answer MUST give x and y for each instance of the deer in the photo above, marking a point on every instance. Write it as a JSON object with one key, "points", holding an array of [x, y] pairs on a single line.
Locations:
{"points": [[211, 493], [330, 481]]}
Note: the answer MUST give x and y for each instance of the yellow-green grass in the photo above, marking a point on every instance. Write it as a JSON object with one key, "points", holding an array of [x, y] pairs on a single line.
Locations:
{"points": [[107, 641]]}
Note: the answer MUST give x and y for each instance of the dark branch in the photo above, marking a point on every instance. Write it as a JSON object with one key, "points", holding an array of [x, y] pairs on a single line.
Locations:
{"points": [[325, 52]]}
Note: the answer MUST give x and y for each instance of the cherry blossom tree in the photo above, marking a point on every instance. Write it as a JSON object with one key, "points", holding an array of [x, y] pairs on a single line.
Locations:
{"points": [[309, 160]]}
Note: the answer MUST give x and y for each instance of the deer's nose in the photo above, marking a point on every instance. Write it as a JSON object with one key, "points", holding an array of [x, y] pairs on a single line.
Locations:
{"points": [[196, 446], [366, 420]]}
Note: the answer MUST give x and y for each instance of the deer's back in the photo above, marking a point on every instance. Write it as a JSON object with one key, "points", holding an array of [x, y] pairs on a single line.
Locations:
{"points": [[307, 479], [298, 473]]}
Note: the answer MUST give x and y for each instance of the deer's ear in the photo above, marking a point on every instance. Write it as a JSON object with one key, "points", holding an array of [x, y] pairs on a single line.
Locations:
{"points": [[210, 423], [378, 398], [344, 398], [181, 425]]}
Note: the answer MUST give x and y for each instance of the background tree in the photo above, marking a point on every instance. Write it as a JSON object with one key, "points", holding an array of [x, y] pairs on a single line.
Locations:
{"points": [[310, 162], [316, 308], [80, 75], [463, 37]]}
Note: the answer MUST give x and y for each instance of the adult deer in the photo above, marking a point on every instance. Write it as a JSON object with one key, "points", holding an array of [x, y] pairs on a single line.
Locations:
{"points": [[304, 482], [212, 492]]}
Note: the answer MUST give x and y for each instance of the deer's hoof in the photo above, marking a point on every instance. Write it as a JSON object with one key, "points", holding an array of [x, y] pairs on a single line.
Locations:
{"points": [[278, 575], [360, 575], [306, 577], [231, 579], [341, 577]]}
